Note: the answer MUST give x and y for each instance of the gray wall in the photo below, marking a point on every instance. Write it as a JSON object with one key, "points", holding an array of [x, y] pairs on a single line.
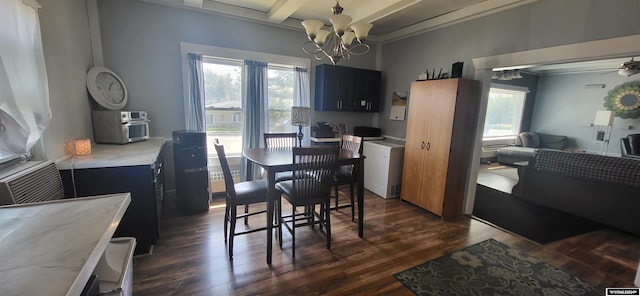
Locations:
{"points": [[564, 106], [541, 24], [67, 53], [141, 43]]}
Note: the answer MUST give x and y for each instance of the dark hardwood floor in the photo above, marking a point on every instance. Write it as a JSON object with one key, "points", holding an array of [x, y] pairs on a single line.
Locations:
{"points": [[191, 258]]}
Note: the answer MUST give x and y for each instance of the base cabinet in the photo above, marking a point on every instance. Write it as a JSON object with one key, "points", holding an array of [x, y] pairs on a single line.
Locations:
{"points": [[136, 168], [141, 220], [440, 133]]}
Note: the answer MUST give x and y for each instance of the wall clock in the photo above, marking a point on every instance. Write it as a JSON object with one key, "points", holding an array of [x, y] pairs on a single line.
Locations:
{"points": [[106, 88], [624, 100]]}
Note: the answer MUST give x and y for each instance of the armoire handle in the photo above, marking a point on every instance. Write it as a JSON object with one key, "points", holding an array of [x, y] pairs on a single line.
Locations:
{"points": [[422, 146], [428, 146]]}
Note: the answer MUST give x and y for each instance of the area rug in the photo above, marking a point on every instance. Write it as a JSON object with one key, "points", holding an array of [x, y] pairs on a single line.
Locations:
{"points": [[491, 268]]}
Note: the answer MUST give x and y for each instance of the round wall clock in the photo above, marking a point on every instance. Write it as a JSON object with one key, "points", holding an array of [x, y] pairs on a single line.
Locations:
{"points": [[106, 88]]}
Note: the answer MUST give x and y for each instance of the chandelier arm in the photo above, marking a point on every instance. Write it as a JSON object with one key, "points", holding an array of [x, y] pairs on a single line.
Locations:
{"points": [[358, 49]]}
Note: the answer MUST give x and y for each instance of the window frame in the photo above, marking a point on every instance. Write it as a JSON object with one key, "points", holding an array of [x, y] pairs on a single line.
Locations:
{"points": [[518, 129]]}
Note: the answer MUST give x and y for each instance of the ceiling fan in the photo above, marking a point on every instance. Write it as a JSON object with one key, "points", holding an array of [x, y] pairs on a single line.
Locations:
{"points": [[629, 68]]}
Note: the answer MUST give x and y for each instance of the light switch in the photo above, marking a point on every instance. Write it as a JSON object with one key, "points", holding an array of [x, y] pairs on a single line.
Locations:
{"points": [[363, 103]]}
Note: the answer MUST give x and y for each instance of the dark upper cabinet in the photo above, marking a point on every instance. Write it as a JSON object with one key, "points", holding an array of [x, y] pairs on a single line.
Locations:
{"points": [[366, 90], [347, 89]]}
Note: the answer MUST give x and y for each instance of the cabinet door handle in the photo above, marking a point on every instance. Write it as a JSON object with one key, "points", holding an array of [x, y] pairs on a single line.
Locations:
{"points": [[422, 146], [428, 146]]}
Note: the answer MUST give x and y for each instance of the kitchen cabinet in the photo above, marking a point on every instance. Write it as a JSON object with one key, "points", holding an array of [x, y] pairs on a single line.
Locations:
{"points": [[347, 89], [366, 95], [135, 168], [439, 140]]}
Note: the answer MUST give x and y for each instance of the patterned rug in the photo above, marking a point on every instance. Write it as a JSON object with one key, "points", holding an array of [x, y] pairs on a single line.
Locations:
{"points": [[491, 268]]}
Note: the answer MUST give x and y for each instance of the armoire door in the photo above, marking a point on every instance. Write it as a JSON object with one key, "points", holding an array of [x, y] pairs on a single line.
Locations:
{"points": [[415, 145], [439, 114]]}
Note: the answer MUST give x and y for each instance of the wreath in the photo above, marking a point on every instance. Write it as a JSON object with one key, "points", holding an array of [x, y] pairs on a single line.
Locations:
{"points": [[624, 100]]}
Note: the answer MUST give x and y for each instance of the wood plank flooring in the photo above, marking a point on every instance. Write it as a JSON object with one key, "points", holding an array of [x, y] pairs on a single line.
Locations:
{"points": [[191, 258]]}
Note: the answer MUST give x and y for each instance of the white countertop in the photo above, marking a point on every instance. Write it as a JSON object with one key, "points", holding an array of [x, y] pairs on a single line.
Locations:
{"points": [[107, 155], [325, 140], [52, 248]]}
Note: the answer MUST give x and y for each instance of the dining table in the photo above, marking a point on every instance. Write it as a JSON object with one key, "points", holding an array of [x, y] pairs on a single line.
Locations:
{"points": [[274, 161]]}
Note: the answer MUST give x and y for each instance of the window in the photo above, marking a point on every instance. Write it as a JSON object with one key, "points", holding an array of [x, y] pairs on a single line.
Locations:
{"points": [[223, 103], [223, 86], [504, 111], [280, 98]]}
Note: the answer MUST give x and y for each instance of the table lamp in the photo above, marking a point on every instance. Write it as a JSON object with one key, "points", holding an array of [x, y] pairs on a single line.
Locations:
{"points": [[300, 117]]}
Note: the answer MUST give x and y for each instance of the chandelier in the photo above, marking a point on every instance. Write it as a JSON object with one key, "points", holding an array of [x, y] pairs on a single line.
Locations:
{"points": [[339, 43]]}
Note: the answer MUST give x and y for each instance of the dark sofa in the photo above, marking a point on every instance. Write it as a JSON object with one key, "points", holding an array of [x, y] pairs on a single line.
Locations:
{"points": [[527, 144], [600, 188]]}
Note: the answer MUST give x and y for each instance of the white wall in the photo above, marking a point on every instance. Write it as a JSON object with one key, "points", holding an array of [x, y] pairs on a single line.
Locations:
{"points": [[67, 53], [541, 24], [141, 42]]}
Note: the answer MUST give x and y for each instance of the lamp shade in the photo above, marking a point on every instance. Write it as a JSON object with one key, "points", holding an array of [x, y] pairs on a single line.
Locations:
{"points": [[603, 117], [300, 115]]}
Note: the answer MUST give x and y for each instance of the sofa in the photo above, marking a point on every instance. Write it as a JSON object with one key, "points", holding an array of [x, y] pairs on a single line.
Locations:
{"points": [[599, 188], [527, 144]]}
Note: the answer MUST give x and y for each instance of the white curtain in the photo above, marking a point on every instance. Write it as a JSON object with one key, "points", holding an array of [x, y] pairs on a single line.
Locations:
{"points": [[301, 96], [24, 91]]}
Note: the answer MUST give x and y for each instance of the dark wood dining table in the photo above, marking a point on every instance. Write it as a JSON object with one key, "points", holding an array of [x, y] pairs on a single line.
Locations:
{"points": [[280, 160]]}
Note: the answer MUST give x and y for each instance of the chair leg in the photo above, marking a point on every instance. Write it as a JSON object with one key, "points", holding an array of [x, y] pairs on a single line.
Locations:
{"points": [[337, 196], [226, 221], [293, 236], [327, 220], [280, 221], [232, 230], [353, 211], [246, 218]]}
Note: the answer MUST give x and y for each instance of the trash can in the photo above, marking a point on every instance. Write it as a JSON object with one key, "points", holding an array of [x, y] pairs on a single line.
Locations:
{"points": [[115, 268]]}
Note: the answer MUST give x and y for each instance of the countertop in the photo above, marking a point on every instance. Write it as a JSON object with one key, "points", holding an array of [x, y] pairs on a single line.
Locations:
{"points": [[52, 248], [114, 155]]}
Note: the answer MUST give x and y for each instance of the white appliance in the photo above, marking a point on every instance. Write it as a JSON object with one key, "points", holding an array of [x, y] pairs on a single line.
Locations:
{"points": [[383, 167]]}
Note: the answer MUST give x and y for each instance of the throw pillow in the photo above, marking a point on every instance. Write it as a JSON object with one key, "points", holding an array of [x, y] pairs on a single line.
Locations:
{"points": [[530, 139]]}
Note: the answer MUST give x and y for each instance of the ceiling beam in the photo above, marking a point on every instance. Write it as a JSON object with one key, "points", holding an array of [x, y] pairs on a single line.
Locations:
{"points": [[372, 16], [283, 9], [465, 14], [193, 3]]}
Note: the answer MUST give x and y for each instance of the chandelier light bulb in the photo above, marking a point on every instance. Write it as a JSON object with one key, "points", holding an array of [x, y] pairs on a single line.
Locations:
{"points": [[347, 38], [312, 27], [340, 23], [361, 30]]}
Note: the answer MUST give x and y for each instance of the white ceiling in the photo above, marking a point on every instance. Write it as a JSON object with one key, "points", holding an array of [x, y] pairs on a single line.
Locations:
{"points": [[391, 19]]}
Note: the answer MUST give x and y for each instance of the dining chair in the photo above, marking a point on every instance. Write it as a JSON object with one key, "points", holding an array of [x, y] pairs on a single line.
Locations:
{"points": [[313, 170], [283, 141], [239, 194], [346, 173], [280, 140]]}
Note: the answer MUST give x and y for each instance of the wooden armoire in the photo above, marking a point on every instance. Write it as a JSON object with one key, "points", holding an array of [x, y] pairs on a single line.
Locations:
{"points": [[438, 150]]}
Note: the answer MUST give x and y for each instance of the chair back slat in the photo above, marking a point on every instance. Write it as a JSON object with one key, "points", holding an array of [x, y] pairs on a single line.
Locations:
{"points": [[313, 170], [353, 144], [280, 140], [228, 178]]}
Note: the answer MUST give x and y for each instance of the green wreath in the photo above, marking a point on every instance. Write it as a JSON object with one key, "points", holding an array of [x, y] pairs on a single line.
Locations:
{"points": [[624, 100]]}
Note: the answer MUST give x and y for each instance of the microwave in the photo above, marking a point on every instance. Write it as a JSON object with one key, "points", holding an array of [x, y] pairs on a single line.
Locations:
{"points": [[120, 127]]}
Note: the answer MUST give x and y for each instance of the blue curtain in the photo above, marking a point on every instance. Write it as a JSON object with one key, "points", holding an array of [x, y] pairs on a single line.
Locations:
{"points": [[195, 107], [301, 96], [255, 108]]}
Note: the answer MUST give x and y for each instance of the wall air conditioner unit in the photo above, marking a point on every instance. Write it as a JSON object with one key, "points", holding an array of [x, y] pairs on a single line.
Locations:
{"points": [[31, 181]]}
